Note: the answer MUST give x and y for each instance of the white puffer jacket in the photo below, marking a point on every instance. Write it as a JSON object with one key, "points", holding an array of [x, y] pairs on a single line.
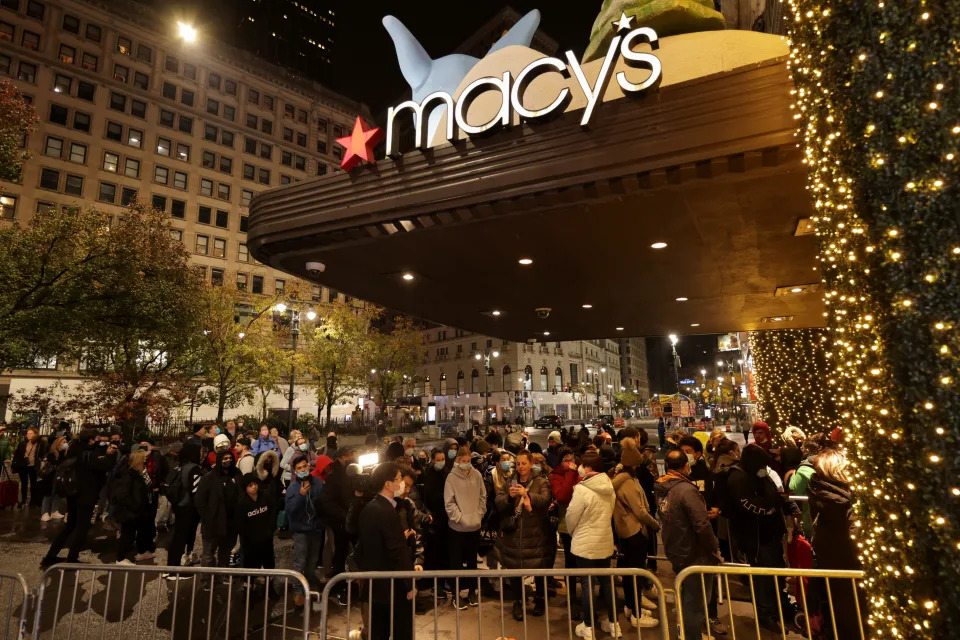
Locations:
{"points": [[589, 517]]}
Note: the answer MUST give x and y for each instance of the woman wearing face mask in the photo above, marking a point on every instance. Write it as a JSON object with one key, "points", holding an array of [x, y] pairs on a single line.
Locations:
{"points": [[465, 500], [300, 448], [302, 504], [436, 556], [524, 539], [450, 447]]}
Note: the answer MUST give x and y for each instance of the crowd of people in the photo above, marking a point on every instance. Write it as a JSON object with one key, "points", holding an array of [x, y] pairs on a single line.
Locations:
{"points": [[602, 499]]}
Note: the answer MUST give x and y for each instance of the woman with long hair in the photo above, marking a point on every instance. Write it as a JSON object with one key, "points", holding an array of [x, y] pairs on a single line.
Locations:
{"points": [[834, 532], [131, 494], [50, 507]]}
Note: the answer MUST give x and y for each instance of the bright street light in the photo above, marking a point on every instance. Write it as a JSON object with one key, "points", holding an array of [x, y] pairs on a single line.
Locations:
{"points": [[673, 338], [280, 307], [311, 315], [187, 32], [241, 335], [496, 354], [478, 356], [703, 372], [719, 363]]}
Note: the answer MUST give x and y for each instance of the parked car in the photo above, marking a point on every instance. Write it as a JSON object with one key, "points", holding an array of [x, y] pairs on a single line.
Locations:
{"points": [[603, 420], [548, 422]]}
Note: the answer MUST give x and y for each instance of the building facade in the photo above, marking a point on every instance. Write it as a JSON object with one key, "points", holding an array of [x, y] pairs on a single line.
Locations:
{"points": [[576, 380], [129, 112], [633, 366]]}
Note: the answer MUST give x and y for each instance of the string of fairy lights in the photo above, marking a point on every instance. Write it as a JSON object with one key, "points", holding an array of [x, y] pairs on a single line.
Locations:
{"points": [[877, 103], [790, 372]]}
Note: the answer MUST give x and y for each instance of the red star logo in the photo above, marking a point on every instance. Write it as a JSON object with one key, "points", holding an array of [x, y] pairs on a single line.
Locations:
{"points": [[359, 144]]}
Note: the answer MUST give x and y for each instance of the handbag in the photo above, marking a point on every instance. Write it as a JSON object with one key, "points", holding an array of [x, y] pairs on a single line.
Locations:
{"points": [[510, 523]]}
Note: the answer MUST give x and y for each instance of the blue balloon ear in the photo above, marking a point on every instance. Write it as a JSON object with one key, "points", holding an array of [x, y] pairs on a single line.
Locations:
{"points": [[519, 34], [415, 63]]}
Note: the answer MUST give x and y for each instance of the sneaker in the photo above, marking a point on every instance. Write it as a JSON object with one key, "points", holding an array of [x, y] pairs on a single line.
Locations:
{"points": [[176, 577], [645, 621], [342, 598], [194, 559], [125, 563], [647, 604], [185, 560], [459, 602], [146, 555], [299, 599], [611, 628], [56, 515], [539, 607], [718, 627], [651, 593], [472, 599], [704, 636], [517, 611], [45, 517], [584, 631]]}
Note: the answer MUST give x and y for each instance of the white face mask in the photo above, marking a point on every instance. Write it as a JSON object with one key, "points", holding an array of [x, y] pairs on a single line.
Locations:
{"points": [[690, 458], [408, 452], [399, 492], [581, 471], [762, 473]]}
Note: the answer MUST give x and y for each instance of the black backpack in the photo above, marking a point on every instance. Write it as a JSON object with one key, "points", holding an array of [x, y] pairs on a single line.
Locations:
{"points": [[178, 491], [66, 480]]}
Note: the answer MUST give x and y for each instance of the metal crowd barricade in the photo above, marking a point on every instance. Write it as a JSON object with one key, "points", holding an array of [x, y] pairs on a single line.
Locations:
{"points": [[14, 605], [750, 573], [98, 601], [553, 624]]}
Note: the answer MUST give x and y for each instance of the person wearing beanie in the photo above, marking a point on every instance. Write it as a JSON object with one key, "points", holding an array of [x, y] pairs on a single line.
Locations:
{"points": [[482, 447], [554, 444], [216, 499], [762, 436], [255, 520], [221, 443], [321, 467]]}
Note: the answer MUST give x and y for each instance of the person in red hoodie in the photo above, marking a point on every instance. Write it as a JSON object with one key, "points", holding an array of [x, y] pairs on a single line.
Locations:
{"points": [[563, 479], [763, 438]]}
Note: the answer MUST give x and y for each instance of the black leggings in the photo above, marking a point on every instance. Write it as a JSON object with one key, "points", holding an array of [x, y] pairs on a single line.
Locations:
{"points": [[185, 524], [462, 547], [29, 476], [139, 531], [634, 551], [74, 531]]}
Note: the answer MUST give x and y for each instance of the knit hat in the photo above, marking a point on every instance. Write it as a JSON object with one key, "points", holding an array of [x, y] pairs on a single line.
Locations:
{"points": [[481, 446], [555, 436], [221, 442], [629, 453]]}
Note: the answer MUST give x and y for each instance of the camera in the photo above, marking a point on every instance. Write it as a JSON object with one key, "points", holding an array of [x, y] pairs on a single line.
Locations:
{"points": [[316, 268], [543, 312]]}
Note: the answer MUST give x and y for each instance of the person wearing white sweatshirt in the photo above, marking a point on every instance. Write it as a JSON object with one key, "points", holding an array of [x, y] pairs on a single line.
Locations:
{"points": [[465, 501]]}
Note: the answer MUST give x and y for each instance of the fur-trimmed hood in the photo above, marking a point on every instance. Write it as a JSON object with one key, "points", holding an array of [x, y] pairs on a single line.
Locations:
{"points": [[268, 457]]}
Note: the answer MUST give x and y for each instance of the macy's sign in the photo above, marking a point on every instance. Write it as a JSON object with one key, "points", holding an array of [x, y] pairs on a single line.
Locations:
{"points": [[512, 90]]}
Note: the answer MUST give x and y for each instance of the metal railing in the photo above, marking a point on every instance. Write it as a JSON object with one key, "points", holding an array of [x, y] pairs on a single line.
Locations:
{"points": [[802, 593], [202, 603], [14, 604], [383, 607]]}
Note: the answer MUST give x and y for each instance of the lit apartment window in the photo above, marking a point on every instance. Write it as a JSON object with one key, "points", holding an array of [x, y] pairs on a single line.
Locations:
{"points": [[242, 254], [219, 248], [67, 54], [124, 45], [8, 207], [280, 286], [161, 174], [131, 168], [30, 40], [163, 147], [245, 197], [183, 152], [135, 138], [242, 281], [180, 180], [111, 161], [206, 187], [53, 147], [89, 61], [177, 234], [78, 153], [223, 191]]}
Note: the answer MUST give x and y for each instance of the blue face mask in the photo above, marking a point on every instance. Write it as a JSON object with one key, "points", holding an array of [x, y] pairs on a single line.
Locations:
{"points": [[302, 474], [537, 468], [506, 465], [452, 453], [216, 431], [439, 465]]}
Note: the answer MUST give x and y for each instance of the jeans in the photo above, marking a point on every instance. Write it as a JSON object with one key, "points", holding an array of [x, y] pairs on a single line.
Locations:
{"points": [[216, 550], [768, 589], [29, 476], [51, 503], [185, 524], [692, 599], [463, 547], [606, 589], [74, 531], [634, 551], [306, 555]]}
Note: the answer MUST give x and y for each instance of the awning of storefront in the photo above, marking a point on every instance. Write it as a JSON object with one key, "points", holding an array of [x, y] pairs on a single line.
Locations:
{"points": [[708, 164]]}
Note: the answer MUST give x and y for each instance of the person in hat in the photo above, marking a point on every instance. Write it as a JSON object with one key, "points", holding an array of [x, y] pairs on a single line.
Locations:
{"points": [[554, 444], [216, 498]]}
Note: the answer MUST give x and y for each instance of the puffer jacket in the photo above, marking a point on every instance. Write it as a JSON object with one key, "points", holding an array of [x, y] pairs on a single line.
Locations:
{"points": [[562, 482], [529, 544], [588, 517], [270, 484], [688, 537], [631, 513]]}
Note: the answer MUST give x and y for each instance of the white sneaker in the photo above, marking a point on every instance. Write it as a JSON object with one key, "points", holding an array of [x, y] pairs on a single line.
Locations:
{"points": [[125, 562], [185, 560], [176, 577], [612, 628], [194, 558], [584, 631], [45, 517], [704, 636], [645, 621], [56, 515], [650, 593], [146, 555]]}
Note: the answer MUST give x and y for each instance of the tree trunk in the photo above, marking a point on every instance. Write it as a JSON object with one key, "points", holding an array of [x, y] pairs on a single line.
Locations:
{"points": [[221, 403]]}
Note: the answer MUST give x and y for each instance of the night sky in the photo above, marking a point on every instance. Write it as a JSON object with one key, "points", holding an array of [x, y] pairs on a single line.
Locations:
{"points": [[368, 61]]}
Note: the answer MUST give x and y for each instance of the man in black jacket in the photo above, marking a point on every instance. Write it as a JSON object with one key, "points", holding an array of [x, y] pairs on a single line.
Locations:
{"points": [[756, 509], [216, 499], [384, 547], [92, 463], [335, 502]]}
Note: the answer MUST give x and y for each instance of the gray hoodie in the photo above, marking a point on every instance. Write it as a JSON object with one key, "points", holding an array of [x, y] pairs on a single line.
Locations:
{"points": [[688, 537], [465, 500]]}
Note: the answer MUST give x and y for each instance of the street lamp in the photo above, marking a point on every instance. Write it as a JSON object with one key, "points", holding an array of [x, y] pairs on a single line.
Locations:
{"points": [[485, 356], [281, 308], [676, 360], [186, 32]]}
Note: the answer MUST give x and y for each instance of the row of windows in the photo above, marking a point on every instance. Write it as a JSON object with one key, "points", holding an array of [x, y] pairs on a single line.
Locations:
{"points": [[34, 8]]}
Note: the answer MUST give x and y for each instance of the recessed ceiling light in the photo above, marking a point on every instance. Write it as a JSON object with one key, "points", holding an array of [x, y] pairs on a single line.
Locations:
{"points": [[495, 313], [796, 290], [525, 261], [681, 299], [619, 328], [546, 333], [588, 306], [695, 324], [408, 276], [658, 245]]}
